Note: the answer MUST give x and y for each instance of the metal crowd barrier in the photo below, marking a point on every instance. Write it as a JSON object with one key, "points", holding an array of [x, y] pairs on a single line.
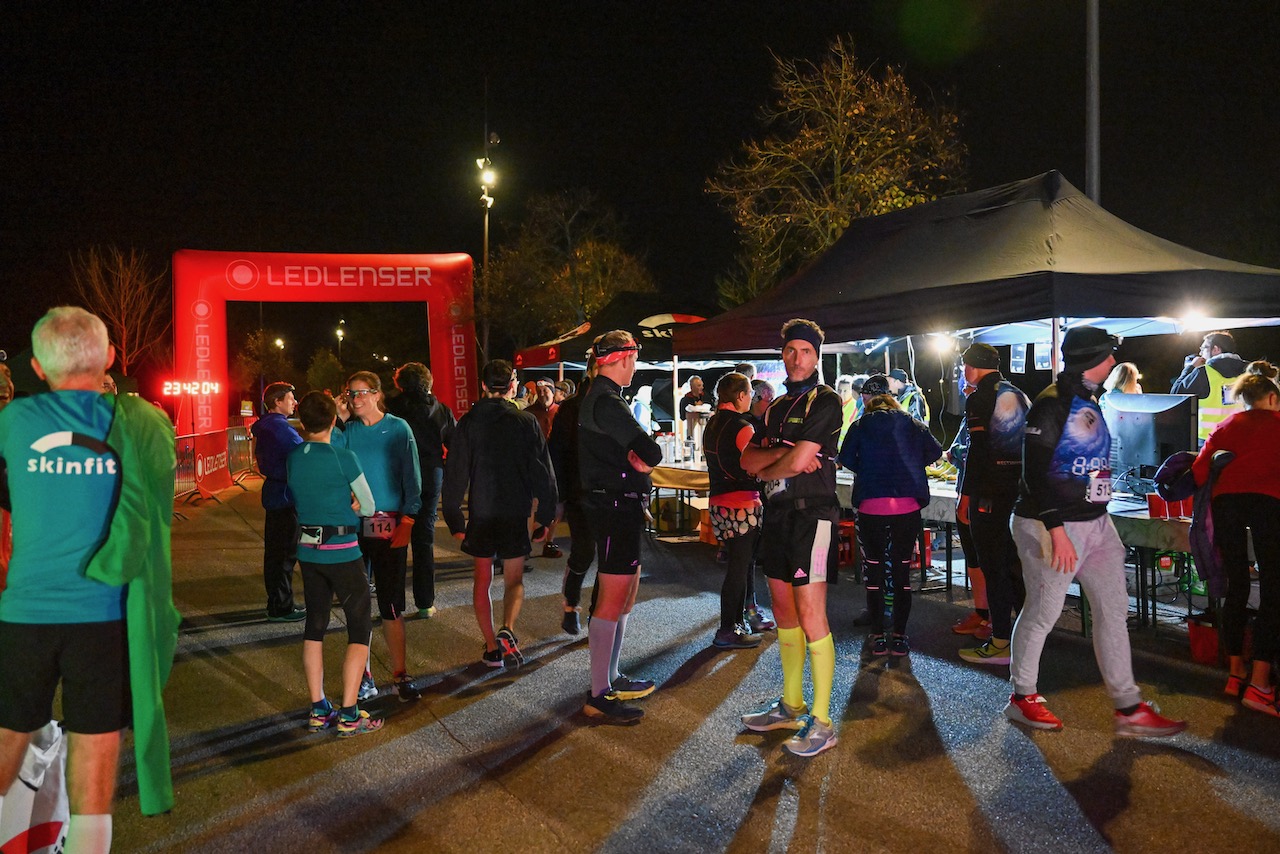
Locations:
{"points": [[239, 460]]}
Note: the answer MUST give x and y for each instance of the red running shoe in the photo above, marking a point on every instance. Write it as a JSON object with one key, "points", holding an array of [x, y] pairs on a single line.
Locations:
{"points": [[969, 624], [1033, 711], [1146, 721], [1260, 701]]}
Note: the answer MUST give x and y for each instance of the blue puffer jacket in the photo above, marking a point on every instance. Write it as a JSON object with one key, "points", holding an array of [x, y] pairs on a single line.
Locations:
{"points": [[888, 450]]}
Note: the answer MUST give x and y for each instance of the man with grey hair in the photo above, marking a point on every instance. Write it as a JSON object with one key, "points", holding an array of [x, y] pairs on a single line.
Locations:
{"points": [[101, 467]]}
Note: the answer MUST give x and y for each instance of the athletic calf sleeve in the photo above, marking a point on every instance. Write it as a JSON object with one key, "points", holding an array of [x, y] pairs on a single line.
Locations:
{"points": [[822, 664], [600, 638], [616, 655], [791, 648]]}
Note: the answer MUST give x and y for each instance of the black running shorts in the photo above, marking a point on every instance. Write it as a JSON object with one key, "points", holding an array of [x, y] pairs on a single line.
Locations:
{"points": [[500, 537], [89, 659], [799, 546], [617, 524]]}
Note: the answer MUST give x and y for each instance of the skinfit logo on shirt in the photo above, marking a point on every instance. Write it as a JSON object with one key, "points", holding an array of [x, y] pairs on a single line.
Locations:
{"points": [[49, 463]]}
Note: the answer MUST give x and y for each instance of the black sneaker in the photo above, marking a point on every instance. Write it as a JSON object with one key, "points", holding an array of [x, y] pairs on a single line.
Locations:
{"points": [[571, 623], [631, 689], [402, 685], [493, 657], [898, 645], [610, 708], [879, 644], [736, 638], [510, 646]]}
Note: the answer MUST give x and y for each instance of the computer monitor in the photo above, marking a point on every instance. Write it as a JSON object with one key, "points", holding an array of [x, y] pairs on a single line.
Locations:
{"points": [[1145, 429]]}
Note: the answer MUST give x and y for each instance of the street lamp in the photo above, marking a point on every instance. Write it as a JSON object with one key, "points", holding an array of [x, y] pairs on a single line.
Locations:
{"points": [[341, 335], [279, 343], [488, 178]]}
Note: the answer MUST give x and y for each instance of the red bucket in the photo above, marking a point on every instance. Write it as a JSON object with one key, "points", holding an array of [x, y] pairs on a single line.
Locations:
{"points": [[1204, 641]]}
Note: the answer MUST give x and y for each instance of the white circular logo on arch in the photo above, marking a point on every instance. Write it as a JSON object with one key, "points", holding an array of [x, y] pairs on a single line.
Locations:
{"points": [[199, 466], [242, 275], [201, 309]]}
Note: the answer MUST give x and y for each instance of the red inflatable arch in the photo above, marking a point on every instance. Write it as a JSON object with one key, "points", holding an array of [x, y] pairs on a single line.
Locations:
{"points": [[204, 282]]}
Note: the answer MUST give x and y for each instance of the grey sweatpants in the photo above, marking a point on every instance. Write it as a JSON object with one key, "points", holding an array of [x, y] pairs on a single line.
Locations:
{"points": [[1100, 571]]}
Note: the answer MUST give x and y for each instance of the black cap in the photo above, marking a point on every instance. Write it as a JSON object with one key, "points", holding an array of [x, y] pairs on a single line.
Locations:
{"points": [[899, 375], [876, 384], [1087, 346], [981, 356]]}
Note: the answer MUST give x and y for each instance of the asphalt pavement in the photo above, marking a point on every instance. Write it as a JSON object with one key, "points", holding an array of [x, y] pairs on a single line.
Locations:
{"points": [[504, 761]]}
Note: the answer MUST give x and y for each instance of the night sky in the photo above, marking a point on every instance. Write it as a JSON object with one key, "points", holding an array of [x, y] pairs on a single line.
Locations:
{"points": [[310, 126]]}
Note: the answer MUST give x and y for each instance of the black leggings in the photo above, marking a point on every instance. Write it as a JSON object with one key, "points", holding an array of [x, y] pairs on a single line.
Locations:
{"points": [[998, 557], [887, 543], [582, 552], [737, 578], [322, 581], [1232, 513]]}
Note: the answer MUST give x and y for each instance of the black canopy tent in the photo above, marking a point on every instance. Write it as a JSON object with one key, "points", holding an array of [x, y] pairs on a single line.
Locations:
{"points": [[997, 265], [651, 318]]}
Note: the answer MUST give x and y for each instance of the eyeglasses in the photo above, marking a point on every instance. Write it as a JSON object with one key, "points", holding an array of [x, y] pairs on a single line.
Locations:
{"points": [[360, 392]]}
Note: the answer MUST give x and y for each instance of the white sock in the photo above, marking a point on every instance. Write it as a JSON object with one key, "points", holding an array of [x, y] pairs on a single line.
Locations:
{"points": [[89, 834]]}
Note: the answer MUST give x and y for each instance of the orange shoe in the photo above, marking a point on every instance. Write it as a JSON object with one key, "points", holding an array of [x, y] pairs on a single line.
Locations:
{"points": [[1260, 701], [1032, 711], [1235, 686], [1146, 722], [969, 624]]}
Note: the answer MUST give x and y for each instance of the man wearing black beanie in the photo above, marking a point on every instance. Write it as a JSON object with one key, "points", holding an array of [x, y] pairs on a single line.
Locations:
{"points": [[1064, 534]]}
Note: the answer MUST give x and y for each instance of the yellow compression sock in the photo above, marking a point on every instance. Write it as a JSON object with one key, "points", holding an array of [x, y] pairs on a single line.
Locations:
{"points": [[822, 663], [791, 648]]}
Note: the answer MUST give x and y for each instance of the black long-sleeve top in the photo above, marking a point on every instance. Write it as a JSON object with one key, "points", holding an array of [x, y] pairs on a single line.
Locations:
{"points": [[1066, 446], [995, 416], [499, 453], [606, 432]]}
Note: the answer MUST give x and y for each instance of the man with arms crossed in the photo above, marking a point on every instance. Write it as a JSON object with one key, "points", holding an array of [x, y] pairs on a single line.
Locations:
{"points": [[615, 458], [78, 564], [796, 459]]}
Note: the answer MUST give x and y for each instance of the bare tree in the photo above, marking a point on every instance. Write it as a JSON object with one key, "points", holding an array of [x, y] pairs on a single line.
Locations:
{"points": [[566, 262], [132, 299], [845, 144]]}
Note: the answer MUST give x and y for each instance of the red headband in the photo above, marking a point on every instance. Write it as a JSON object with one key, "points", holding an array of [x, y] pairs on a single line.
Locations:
{"points": [[618, 355]]}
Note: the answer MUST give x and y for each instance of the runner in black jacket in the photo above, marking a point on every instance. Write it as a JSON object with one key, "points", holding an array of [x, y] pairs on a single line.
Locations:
{"points": [[498, 451], [615, 456], [995, 415], [1064, 534], [432, 424], [563, 447]]}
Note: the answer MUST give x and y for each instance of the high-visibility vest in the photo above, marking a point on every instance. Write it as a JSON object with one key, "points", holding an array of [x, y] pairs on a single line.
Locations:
{"points": [[1218, 404]]}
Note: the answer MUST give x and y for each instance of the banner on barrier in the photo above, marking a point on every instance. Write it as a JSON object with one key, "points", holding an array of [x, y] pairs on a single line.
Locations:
{"points": [[212, 471]]}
